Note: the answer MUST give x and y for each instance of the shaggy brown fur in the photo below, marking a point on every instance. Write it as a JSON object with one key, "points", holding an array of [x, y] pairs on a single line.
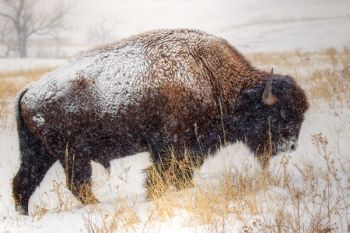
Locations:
{"points": [[166, 92]]}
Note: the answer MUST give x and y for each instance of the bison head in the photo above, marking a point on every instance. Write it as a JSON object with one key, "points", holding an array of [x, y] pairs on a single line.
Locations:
{"points": [[268, 117]]}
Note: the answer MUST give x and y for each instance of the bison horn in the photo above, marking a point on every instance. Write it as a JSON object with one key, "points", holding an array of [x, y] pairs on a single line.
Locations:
{"points": [[267, 97]]}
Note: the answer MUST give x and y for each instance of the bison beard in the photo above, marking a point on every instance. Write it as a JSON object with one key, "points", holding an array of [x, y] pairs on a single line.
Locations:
{"points": [[179, 94]]}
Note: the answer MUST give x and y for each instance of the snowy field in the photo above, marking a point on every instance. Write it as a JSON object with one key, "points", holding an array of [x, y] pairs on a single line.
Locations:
{"points": [[17, 64], [308, 189]]}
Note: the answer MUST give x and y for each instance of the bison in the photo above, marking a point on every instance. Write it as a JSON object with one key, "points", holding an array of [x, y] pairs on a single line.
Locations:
{"points": [[174, 93]]}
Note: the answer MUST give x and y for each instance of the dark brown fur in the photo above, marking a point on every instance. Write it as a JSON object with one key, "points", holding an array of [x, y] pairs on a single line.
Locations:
{"points": [[166, 91]]}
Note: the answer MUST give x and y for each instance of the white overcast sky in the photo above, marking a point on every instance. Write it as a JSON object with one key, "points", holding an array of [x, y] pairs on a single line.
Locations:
{"points": [[245, 23]]}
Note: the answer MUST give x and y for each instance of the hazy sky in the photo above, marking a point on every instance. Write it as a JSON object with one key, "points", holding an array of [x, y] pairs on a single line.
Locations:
{"points": [[257, 25], [132, 16]]}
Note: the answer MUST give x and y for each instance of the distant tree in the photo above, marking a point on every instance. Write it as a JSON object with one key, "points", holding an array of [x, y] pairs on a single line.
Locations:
{"points": [[22, 19], [7, 44]]}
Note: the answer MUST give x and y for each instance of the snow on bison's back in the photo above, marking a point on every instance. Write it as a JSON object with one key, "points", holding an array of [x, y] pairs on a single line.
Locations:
{"points": [[165, 91]]}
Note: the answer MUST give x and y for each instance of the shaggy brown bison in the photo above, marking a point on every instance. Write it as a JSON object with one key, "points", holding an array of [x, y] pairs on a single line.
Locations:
{"points": [[170, 92]]}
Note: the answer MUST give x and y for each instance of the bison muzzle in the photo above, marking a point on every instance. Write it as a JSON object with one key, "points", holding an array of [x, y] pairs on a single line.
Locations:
{"points": [[173, 93]]}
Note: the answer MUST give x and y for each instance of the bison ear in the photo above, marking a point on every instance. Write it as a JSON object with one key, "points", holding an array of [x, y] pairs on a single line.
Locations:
{"points": [[267, 97]]}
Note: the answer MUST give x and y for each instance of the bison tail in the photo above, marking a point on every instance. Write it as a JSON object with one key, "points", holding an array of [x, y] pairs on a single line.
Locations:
{"points": [[28, 142], [35, 161], [21, 127]]}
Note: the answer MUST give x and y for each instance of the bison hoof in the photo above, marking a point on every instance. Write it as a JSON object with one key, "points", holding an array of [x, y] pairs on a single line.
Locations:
{"points": [[21, 211]]}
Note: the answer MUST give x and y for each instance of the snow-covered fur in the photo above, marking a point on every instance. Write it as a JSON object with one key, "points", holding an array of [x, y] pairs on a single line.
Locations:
{"points": [[165, 91]]}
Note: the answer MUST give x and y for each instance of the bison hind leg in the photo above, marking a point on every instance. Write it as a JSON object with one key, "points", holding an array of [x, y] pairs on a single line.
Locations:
{"points": [[171, 171], [35, 162]]}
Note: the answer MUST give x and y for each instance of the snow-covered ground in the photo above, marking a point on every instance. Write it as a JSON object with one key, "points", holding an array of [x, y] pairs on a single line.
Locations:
{"points": [[251, 26]]}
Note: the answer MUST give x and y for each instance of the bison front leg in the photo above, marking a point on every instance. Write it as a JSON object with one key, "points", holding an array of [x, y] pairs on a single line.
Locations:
{"points": [[78, 179], [155, 183], [171, 170]]}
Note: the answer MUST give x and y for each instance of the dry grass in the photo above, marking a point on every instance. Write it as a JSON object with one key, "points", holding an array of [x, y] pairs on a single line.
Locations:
{"points": [[10, 84], [123, 218], [319, 204], [324, 75]]}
